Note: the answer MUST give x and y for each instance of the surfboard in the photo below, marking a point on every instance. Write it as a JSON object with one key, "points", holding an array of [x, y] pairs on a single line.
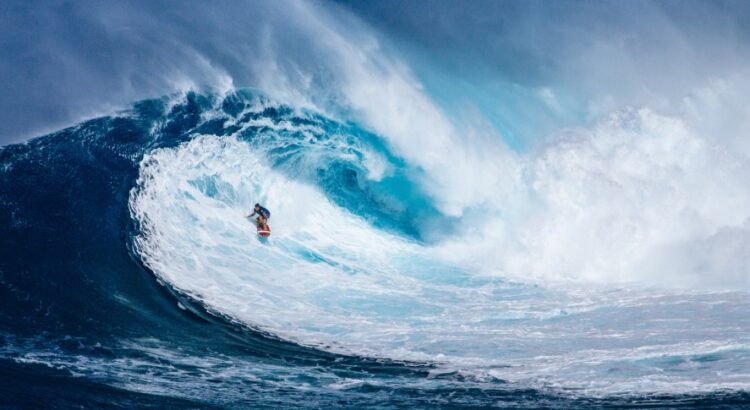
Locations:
{"points": [[263, 232]]}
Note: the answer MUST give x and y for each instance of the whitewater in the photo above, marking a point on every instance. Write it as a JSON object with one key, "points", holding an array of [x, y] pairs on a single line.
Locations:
{"points": [[333, 278], [370, 292], [514, 205]]}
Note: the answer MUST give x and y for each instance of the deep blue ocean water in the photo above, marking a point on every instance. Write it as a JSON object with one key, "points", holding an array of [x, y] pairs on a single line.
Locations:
{"points": [[89, 318]]}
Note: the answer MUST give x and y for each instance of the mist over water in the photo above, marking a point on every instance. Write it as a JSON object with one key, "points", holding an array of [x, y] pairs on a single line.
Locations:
{"points": [[467, 203], [332, 277]]}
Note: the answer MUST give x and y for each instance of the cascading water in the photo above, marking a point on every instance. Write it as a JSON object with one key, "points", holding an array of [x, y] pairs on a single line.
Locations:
{"points": [[525, 215]]}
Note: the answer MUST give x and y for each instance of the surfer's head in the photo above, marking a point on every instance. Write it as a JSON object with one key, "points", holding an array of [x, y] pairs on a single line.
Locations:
{"points": [[257, 206]]}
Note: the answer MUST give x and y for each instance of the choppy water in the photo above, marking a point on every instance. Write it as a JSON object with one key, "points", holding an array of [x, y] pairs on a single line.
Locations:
{"points": [[129, 275]]}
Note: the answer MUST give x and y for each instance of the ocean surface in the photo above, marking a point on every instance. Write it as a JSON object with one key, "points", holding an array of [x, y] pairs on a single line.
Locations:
{"points": [[130, 276]]}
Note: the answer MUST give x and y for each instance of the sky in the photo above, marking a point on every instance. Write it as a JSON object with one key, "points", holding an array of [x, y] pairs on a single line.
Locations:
{"points": [[524, 67]]}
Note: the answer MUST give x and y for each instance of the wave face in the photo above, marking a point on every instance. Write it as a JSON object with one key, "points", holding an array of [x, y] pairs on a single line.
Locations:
{"points": [[129, 274]]}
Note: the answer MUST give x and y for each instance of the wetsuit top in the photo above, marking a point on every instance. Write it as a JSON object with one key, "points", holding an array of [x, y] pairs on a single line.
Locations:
{"points": [[264, 212]]}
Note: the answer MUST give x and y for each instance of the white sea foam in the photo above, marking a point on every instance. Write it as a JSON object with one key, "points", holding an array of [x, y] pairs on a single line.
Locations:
{"points": [[328, 279], [639, 197]]}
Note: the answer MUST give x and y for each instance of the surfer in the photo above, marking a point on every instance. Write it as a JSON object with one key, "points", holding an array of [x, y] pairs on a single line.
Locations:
{"points": [[263, 215]]}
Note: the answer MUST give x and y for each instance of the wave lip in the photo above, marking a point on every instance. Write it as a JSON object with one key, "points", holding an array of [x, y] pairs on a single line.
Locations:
{"points": [[333, 279], [337, 275]]}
